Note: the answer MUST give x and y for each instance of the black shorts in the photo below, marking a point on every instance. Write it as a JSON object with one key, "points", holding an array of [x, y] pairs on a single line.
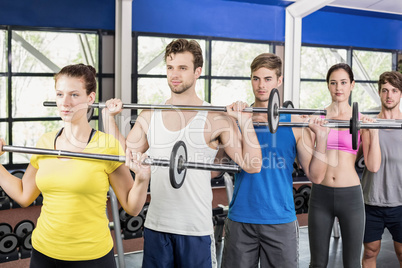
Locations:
{"points": [[39, 260], [379, 218]]}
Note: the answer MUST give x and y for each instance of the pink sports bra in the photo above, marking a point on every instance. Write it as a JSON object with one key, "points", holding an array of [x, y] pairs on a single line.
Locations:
{"points": [[341, 140]]}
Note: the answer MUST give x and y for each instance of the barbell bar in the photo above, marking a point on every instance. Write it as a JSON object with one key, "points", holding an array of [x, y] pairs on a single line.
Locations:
{"points": [[177, 164], [273, 110]]}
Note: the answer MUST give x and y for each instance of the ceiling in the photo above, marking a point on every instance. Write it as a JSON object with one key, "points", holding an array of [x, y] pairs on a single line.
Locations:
{"points": [[381, 6]]}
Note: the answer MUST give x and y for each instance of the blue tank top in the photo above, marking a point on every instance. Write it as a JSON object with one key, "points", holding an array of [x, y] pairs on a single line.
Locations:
{"points": [[267, 197]]}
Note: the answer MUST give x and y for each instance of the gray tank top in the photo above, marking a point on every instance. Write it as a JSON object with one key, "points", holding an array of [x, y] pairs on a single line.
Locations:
{"points": [[384, 187]]}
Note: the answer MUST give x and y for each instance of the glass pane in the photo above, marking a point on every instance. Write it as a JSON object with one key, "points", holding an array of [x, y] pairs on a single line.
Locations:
{"points": [[367, 97], [29, 93], [315, 61], [3, 51], [49, 51], [369, 65], [151, 53], [3, 134], [3, 97], [156, 90], [225, 92], [314, 95], [234, 58], [27, 134]]}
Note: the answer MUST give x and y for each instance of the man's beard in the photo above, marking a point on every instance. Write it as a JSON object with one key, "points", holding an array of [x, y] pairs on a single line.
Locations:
{"points": [[180, 89], [390, 106]]}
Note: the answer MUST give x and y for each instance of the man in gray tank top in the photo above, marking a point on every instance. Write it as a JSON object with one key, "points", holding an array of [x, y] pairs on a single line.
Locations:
{"points": [[382, 190]]}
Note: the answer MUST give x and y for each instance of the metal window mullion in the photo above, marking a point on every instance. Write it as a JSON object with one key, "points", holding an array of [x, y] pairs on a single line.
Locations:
{"points": [[9, 91], [208, 70]]}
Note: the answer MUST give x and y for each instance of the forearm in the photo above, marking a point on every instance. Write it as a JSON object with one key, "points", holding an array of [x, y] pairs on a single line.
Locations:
{"points": [[137, 196], [110, 127], [372, 158], [319, 161]]}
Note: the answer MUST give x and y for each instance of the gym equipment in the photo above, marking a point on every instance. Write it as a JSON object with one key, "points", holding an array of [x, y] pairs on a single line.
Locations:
{"points": [[5, 228], [177, 164], [23, 228], [353, 124], [273, 110], [299, 202]]}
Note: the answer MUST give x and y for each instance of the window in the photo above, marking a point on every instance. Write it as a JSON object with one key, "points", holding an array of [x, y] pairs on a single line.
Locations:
{"points": [[27, 81], [366, 65], [225, 76]]}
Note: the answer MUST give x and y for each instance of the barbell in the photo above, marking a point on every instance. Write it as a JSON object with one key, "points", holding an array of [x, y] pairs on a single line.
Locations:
{"points": [[177, 164], [354, 124], [273, 110]]}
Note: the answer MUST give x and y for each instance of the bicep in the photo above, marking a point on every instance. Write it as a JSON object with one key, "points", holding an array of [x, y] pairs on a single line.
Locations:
{"points": [[30, 189], [122, 182], [137, 138]]}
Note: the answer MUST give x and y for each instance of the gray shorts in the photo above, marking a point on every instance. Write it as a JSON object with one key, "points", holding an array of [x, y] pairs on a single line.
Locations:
{"points": [[273, 245]]}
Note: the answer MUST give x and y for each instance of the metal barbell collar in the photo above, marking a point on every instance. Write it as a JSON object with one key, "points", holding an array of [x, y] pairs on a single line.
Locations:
{"points": [[177, 152]]}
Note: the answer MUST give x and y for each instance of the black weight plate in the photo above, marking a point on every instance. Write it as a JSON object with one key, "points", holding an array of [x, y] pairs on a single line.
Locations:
{"points": [[354, 121], [299, 201], [177, 174], [123, 215], [24, 227], [272, 111], [288, 104], [8, 243], [134, 224], [305, 190], [5, 228], [144, 211], [18, 173], [360, 163], [26, 242]]}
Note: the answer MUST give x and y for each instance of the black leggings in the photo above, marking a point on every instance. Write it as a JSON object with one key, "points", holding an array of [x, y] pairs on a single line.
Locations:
{"points": [[345, 203], [39, 260]]}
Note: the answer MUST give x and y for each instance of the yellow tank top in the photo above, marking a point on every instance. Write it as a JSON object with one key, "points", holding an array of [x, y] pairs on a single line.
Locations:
{"points": [[73, 224]]}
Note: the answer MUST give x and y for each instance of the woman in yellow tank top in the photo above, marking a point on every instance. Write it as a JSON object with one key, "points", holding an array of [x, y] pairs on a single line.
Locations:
{"points": [[72, 228]]}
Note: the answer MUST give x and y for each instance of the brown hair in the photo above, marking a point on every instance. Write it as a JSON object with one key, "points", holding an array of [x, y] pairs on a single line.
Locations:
{"points": [[85, 72], [183, 45], [269, 61], [343, 66], [394, 78]]}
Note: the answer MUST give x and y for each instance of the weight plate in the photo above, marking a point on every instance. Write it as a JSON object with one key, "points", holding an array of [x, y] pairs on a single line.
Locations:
{"points": [[305, 190], [273, 115], [144, 211], [8, 243], [299, 201], [18, 173], [360, 163], [5, 228], [177, 172], [288, 104], [26, 242], [123, 215], [134, 224], [24, 227], [354, 129]]}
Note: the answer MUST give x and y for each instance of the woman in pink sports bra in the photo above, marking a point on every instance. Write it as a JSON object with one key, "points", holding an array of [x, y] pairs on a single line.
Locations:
{"points": [[340, 194]]}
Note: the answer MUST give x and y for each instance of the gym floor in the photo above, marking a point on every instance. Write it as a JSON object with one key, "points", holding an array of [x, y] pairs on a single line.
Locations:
{"points": [[386, 258]]}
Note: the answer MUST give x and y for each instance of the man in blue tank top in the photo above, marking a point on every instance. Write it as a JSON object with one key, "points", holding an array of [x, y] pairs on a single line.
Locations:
{"points": [[262, 225], [382, 190]]}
